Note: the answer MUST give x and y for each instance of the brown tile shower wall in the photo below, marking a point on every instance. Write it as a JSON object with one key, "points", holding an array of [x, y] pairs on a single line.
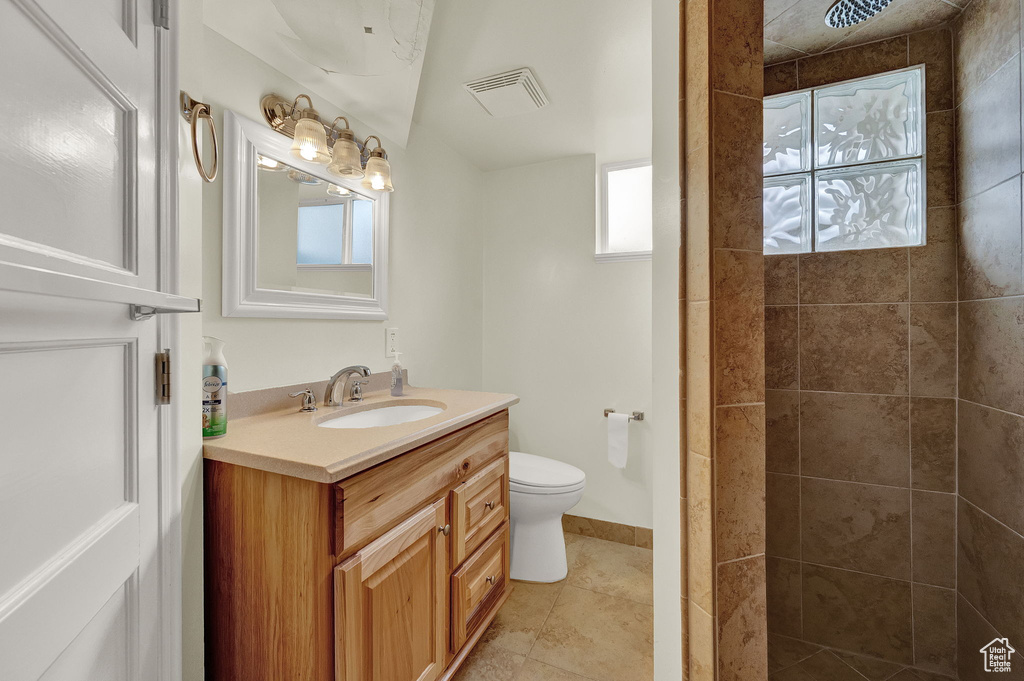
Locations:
{"points": [[990, 408], [722, 312], [861, 388]]}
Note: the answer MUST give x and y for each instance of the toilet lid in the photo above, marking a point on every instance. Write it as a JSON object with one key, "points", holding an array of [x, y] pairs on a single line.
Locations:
{"points": [[537, 471]]}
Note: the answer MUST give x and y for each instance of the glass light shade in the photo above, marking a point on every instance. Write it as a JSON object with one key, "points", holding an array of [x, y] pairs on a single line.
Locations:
{"points": [[378, 175], [335, 190], [310, 142], [345, 161]]}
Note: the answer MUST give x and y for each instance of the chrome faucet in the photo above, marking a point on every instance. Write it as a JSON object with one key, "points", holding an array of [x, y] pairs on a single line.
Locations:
{"points": [[351, 391]]}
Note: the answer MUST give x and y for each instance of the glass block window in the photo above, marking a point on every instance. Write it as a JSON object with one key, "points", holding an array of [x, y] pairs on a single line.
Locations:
{"points": [[844, 166]]}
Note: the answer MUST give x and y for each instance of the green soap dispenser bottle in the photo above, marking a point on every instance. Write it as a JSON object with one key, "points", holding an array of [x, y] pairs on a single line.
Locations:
{"points": [[215, 388]]}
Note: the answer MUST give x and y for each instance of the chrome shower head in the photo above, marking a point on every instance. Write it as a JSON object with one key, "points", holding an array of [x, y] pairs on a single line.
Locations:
{"points": [[845, 13]]}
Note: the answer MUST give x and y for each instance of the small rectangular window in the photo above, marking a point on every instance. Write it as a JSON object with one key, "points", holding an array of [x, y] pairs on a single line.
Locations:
{"points": [[626, 211], [844, 165]]}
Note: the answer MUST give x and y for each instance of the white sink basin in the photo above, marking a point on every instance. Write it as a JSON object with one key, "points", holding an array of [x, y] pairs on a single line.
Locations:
{"points": [[383, 416]]}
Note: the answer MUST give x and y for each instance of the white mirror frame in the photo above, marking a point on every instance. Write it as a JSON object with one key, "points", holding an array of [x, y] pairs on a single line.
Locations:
{"points": [[242, 297]]}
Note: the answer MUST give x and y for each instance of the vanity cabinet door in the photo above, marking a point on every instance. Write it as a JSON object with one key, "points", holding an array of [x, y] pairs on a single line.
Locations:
{"points": [[390, 603]]}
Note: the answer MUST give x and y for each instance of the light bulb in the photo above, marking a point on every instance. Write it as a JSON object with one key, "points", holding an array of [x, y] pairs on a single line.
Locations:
{"points": [[310, 140], [378, 172]]}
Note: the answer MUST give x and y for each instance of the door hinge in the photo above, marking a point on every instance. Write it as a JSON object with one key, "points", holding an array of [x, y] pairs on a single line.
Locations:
{"points": [[162, 13], [163, 377]]}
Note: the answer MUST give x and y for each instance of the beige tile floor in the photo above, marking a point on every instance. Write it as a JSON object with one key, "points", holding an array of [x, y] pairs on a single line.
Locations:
{"points": [[595, 625]]}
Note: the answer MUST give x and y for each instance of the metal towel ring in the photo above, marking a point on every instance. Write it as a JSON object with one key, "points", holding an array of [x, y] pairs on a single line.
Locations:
{"points": [[192, 111]]}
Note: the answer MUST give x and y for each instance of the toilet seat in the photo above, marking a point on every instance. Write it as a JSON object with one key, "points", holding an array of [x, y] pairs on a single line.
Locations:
{"points": [[531, 474]]}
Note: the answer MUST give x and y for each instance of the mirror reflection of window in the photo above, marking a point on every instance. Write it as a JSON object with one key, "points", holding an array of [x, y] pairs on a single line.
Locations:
{"points": [[321, 235], [335, 233]]}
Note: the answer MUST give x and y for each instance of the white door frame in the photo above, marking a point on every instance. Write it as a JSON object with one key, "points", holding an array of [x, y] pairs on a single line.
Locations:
{"points": [[169, 336]]}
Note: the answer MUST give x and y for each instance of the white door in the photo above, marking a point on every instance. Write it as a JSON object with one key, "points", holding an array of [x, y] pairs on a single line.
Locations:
{"points": [[87, 510]]}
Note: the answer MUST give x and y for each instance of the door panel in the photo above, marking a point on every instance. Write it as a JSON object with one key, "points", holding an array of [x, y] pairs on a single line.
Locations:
{"points": [[101, 650], [78, 154], [66, 469], [390, 604], [92, 156], [82, 567]]}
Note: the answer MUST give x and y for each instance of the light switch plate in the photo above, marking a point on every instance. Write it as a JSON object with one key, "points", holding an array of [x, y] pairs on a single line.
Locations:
{"points": [[390, 342]]}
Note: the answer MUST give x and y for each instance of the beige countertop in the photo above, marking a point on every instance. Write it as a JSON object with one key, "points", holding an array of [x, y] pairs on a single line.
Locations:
{"points": [[286, 441]]}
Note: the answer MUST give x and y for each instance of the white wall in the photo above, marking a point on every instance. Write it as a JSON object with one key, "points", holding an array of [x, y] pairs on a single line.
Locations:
{"points": [[569, 336], [668, 632], [435, 260]]}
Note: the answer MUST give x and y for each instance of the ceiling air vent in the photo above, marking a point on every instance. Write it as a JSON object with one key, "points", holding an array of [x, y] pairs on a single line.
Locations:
{"points": [[509, 93]]}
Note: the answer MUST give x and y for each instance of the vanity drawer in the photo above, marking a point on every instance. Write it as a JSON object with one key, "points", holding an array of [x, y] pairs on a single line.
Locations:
{"points": [[372, 502], [479, 505], [478, 585]]}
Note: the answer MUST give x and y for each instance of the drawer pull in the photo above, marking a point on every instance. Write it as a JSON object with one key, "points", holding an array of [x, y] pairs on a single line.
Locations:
{"points": [[489, 505], [490, 580], [445, 530]]}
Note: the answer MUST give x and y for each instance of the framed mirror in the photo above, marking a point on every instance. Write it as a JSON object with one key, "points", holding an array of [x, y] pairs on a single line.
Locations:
{"points": [[298, 241]]}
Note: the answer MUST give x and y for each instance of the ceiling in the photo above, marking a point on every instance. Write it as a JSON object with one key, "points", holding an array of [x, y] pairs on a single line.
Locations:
{"points": [[363, 56], [796, 28], [591, 57]]}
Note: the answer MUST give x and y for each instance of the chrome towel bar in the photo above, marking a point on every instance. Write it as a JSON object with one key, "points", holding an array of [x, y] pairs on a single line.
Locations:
{"points": [[635, 416]]}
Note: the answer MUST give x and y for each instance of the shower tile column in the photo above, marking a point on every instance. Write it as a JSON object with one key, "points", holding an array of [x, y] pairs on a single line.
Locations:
{"points": [[724, 340], [990, 408]]}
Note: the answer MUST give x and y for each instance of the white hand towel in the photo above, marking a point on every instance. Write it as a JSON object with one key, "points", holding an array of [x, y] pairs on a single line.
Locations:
{"points": [[618, 439]]}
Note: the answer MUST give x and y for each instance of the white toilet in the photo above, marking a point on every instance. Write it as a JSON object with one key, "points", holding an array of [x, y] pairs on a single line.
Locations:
{"points": [[542, 490]]}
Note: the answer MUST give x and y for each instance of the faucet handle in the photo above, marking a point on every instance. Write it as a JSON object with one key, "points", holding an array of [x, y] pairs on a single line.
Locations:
{"points": [[308, 399], [357, 389]]}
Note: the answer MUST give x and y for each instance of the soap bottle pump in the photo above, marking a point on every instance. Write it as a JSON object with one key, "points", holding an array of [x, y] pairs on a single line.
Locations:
{"points": [[396, 376], [215, 388]]}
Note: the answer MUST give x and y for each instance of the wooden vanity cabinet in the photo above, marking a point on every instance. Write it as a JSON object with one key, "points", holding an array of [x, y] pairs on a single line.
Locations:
{"points": [[389, 575]]}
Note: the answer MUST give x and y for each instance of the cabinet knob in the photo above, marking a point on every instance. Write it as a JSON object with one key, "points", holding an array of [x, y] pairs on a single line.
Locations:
{"points": [[490, 580], [489, 505], [446, 530]]}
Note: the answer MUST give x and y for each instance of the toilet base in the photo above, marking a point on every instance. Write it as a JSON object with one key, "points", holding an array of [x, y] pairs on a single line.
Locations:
{"points": [[538, 550]]}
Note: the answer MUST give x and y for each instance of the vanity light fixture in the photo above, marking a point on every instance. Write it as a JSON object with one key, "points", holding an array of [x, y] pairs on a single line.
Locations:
{"points": [[345, 159], [378, 170], [335, 190], [310, 139], [348, 158]]}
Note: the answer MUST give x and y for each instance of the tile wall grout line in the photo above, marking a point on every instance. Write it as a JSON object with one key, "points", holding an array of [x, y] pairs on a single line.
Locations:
{"points": [[910, 440], [991, 517], [799, 448]]}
